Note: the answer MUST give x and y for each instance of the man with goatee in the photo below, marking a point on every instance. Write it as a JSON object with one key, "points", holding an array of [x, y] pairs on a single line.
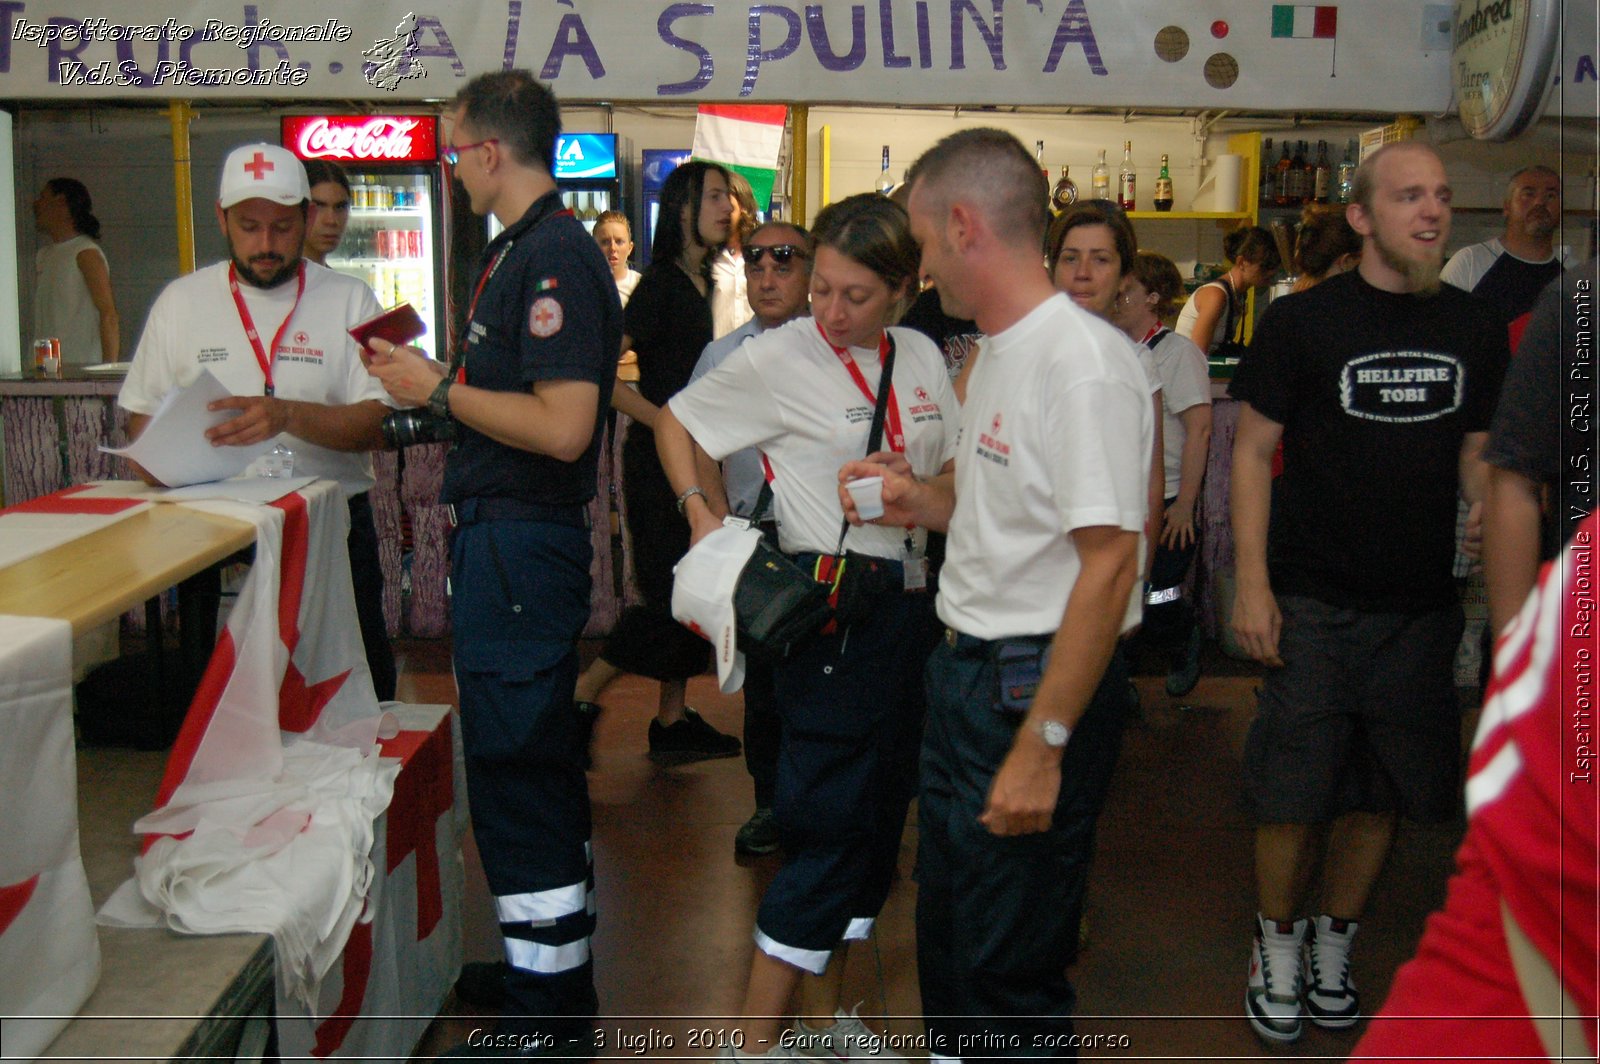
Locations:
{"points": [[270, 326], [1380, 383]]}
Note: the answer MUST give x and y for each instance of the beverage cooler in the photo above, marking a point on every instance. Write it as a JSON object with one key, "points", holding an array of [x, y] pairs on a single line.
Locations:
{"points": [[395, 242], [656, 164], [588, 173]]}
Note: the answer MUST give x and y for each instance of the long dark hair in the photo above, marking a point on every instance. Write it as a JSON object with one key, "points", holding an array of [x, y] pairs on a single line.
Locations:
{"points": [[682, 188], [78, 204]]}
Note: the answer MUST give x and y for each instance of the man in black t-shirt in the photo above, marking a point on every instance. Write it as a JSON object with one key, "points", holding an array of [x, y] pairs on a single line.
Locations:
{"points": [[1380, 384], [540, 352]]}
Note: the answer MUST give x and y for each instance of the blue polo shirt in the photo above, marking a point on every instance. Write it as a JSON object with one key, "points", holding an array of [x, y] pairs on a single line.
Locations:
{"points": [[548, 312]]}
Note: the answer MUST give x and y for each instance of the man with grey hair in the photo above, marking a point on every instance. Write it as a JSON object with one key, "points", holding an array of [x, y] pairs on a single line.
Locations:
{"points": [[1045, 512], [777, 277], [1380, 383], [1511, 270]]}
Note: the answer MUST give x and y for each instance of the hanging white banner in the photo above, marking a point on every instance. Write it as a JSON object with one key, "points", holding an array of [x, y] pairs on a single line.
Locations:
{"points": [[1360, 55]]}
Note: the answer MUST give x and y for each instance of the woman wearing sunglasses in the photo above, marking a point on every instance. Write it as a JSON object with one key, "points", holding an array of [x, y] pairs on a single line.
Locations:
{"points": [[851, 700]]}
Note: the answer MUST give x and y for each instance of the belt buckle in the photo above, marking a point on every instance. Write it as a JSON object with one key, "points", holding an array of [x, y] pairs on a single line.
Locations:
{"points": [[950, 638]]}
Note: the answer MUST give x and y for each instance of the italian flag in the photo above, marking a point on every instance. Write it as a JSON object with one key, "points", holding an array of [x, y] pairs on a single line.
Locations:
{"points": [[747, 138], [1304, 20]]}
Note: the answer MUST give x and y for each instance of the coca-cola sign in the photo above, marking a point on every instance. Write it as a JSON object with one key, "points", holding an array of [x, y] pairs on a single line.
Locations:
{"points": [[363, 138]]}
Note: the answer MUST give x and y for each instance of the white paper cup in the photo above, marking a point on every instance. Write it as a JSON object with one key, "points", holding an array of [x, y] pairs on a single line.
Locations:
{"points": [[867, 492]]}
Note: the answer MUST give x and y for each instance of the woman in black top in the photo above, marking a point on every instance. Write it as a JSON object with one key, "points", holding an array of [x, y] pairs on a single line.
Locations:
{"points": [[668, 324]]}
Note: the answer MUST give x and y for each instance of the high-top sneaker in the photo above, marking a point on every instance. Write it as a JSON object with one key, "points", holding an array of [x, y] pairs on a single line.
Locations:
{"points": [[1272, 995], [1330, 995]]}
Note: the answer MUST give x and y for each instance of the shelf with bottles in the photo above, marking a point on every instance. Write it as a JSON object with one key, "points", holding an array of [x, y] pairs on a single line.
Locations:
{"points": [[1190, 216], [388, 212]]}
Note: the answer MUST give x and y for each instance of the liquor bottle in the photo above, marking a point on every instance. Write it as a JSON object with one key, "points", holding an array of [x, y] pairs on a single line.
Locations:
{"points": [[589, 213], [1299, 176], [1065, 194], [1264, 179], [1345, 180], [1163, 196], [1280, 177], [1127, 178], [885, 182], [1322, 175], [1100, 180]]}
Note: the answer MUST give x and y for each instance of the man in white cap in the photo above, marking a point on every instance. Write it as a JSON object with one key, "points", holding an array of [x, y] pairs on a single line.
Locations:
{"points": [[271, 327]]}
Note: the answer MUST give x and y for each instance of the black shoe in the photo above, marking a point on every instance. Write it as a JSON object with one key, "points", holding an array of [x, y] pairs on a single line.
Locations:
{"points": [[1184, 675], [759, 836], [588, 717], [690, 739], [481, 986]]}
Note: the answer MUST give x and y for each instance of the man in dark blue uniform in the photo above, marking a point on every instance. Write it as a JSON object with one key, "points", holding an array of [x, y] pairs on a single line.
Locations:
{"points": [[525, 394]]}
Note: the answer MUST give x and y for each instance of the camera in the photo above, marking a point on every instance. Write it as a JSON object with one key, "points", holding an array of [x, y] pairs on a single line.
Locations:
{"points": [[407, 428]]}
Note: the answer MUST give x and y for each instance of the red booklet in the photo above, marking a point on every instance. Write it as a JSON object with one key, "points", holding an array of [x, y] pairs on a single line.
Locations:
{"points": [[398, 325]]}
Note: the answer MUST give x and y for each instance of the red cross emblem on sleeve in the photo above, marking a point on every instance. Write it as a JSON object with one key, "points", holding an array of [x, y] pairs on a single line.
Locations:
{"points": [[544, 317], [258, 166]]}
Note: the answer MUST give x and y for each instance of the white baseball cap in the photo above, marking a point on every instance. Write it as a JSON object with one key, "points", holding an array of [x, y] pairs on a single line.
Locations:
{"points": [[263, 171], [702, 596]]}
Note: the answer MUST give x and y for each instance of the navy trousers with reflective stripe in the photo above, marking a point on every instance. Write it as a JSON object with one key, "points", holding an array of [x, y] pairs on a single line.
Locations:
{"points": [[997, 918], [521, 599]]}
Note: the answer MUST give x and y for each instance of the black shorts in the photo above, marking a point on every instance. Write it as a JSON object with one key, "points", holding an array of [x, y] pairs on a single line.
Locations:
{"points": [[1362, 717]]}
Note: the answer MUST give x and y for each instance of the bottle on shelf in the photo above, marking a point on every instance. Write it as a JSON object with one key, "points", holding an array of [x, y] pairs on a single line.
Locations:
{"points": [[1264, 193], [1038, 158], [1299, 176], [1163, 197], [1322, 175], [1065, 194], [1280, 178], [1127, 179], [1100, 179], [1345, 180], [885, 182]]}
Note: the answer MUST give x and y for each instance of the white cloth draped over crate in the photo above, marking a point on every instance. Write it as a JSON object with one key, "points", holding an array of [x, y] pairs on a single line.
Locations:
{"points": [[264, 820], [49, 953]]}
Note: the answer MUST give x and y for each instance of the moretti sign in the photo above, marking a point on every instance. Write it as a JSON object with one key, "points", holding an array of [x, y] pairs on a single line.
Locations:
{"points": [[1502, 62]]}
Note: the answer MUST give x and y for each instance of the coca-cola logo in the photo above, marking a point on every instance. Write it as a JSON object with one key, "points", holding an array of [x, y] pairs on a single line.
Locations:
{"points": [[388, 138]]}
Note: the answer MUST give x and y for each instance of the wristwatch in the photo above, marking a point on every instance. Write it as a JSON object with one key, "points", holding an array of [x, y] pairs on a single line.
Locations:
{"points": [[1054, 733], [439, 401]]}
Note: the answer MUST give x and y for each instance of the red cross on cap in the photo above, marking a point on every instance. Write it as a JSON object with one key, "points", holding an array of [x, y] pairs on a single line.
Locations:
{"points": [[258, 166]]}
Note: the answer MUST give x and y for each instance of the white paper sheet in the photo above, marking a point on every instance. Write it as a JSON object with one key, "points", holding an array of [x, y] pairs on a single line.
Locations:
{"points": [[260, 490], [173, 446]]}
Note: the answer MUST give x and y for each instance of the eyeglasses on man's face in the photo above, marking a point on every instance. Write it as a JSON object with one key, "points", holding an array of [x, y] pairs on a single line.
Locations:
{"points": [[452, 154]]}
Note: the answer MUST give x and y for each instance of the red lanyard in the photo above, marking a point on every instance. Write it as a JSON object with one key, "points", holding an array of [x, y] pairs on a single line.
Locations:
{"points": [[1157, 327], [264, 358], [895, 438]]}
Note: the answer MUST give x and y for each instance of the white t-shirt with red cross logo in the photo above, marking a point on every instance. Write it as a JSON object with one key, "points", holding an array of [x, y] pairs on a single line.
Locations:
{"points": [[1056, 434], [194, 325], [787, 393]]}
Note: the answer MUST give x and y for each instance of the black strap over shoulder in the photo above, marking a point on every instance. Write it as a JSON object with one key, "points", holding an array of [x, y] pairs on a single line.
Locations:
{"points": [[874, 438]]}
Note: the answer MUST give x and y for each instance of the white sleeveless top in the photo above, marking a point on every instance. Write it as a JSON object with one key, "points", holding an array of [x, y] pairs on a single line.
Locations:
{"points": [[62, 306]]}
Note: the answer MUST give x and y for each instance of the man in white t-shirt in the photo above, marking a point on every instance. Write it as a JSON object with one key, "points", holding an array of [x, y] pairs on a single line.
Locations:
{"points": [[271, 327], [1045, 513]]}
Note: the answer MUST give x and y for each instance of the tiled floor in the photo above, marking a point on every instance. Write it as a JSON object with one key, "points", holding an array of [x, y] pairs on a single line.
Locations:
{"points": [[1169, 909]]}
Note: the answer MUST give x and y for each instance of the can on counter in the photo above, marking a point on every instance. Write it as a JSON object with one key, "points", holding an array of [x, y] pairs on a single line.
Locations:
{"points": [[47, 355]]}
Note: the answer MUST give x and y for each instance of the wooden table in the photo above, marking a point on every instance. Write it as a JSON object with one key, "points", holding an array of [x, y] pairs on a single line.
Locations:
{"points": [[91, 580]]}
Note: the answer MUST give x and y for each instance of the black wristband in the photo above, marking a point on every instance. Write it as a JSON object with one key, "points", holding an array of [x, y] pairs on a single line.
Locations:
{"points": [[439, 401]]}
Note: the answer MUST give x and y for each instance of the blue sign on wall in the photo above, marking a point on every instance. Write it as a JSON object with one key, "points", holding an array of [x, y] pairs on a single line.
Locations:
{"points": [[586, 156]]}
